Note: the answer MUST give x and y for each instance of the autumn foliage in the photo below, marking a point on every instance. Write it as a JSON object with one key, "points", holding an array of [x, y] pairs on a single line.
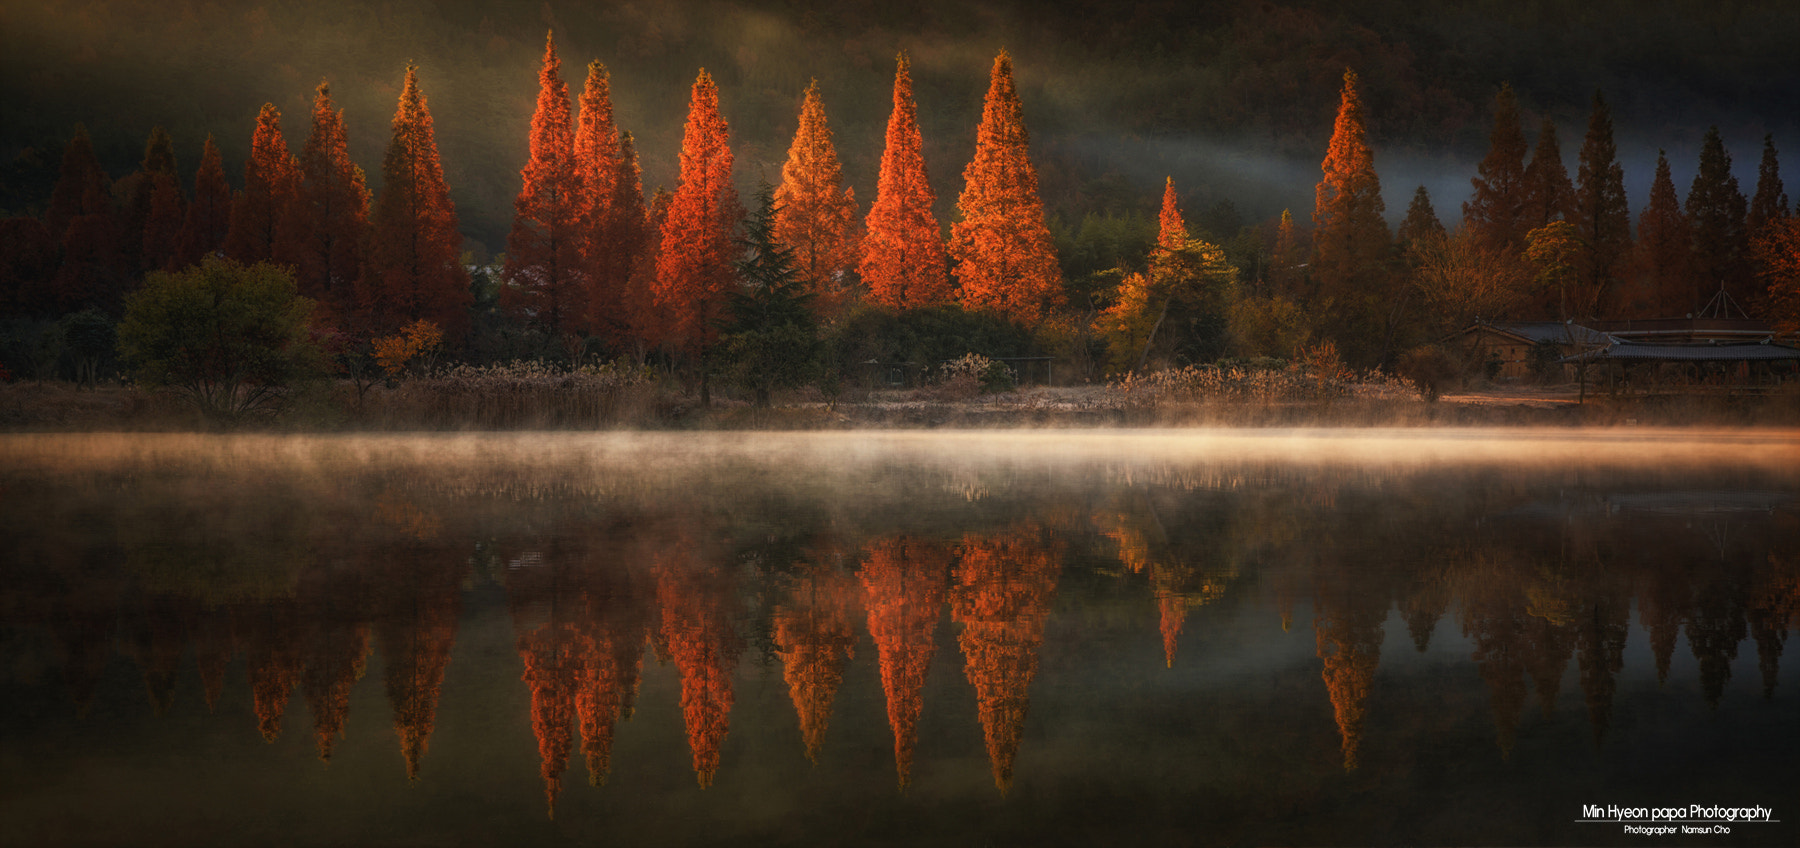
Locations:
{"points": [[414, 267], [1004, 585], [1005, 261], [903, 261], [815, 213], [905, 581], [262, 216], [696, 625], [331, 212], [693, 270], [617, 234], [545, 272], [815, 638]]}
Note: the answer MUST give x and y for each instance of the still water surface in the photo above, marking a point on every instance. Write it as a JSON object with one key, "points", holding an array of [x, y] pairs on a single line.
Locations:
{"points": [[1212, 637]]}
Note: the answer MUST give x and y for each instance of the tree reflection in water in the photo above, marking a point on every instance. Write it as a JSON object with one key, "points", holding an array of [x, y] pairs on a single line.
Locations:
{"points": [[307, 581]]}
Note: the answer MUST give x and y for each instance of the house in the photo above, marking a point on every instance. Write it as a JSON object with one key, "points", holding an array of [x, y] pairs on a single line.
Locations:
{"points": [[1506, 347]]}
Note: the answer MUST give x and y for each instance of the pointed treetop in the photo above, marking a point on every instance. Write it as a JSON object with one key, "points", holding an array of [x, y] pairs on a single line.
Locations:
{"points": [[1172, 232], [903, 260]]}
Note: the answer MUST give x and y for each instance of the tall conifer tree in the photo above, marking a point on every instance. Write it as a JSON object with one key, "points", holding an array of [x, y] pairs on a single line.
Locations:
{"points": [[1005, 261], [1171, 231], [1350, 238], [157, 167], [1771, 201], [413, 270], [612, 185], [1549, 195], [815, 213], [262, 215], [333, 211], [1603, 220], [694, 273], [83, 222], [1716, 212], [1496, 212], [903, 261], [544, 268], [209, 215], [1665, 252]]}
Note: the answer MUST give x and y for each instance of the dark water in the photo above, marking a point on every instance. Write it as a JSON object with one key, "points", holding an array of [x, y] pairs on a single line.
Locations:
{"points": [[1233, 638]]}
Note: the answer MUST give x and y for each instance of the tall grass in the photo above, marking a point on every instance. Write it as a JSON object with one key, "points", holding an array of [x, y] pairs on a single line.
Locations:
{"points": [[519, 395]]}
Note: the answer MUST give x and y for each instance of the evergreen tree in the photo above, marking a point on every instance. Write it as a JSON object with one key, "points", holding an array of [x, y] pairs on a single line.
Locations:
{"points": [[1549, 195], [1496, 213], [1421, 223], [413, 270], [694, 275], [261, 216], [82, 187], [1351, 240], [903, 259], [772, 339], [545, 278], [1716, 213], [1665, 252], [815, 213], [1288, 259], [333, 216], [1602, 224], [209, 215], [1770, 202], [1004, 258]]}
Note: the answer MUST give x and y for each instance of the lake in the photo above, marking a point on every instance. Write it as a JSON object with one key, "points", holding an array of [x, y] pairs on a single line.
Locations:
{"points": [[1213, 637]]}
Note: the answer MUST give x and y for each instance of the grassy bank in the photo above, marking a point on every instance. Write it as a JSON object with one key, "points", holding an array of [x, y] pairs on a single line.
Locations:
{"points": [[525, 400]]}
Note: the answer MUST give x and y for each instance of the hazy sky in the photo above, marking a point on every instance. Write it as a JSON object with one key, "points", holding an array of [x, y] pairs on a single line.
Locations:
{"points": [[1232, 99]]}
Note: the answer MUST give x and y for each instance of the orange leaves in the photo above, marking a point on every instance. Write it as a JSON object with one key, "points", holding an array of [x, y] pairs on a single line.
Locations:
{"points": [[905, 581], [1004, 258], [903, 262], [332, 211], [814, 636], [261, 217], [1171, 231], [815, 214], [546, 280], [693, 271], [695, 622], [1004, 585], [617, 234], [414, 267]]}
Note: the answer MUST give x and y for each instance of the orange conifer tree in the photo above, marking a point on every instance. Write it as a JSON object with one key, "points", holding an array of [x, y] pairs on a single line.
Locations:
{"points": [[903, 261], [644, 320], [413, 270], [697, 628], [1350, 239], [815, 213], [612, 185], [544, 270], [694, 273], [905, 581], [814, 638], [333, 211], [610, 670], [209, 215], [273, 660], [1004, 258], [262, 216], [337, 651], [418, 630], [1004, 586], [1171, 232]]}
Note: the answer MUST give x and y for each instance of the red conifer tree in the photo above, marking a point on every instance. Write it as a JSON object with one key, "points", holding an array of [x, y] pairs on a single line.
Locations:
{"points": [[262, 215], [815, 213], [1005, 261], [903, 261], [333, 211], [1171, 231], [209, 215], [413, 270], [1496, 212], [544, 273], [694, 273], [612, 183]]}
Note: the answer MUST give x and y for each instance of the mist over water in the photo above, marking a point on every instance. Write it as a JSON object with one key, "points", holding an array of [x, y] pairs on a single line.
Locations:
{"points": [[1259, 636]]}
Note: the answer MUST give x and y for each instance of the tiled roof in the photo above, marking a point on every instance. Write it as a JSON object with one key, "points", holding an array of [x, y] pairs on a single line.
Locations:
{"points": [[1693, 352], [1550, 331]]}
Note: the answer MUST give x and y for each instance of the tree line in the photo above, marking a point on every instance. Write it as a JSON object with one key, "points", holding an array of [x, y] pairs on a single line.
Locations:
{"points": [[800, 290]]}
